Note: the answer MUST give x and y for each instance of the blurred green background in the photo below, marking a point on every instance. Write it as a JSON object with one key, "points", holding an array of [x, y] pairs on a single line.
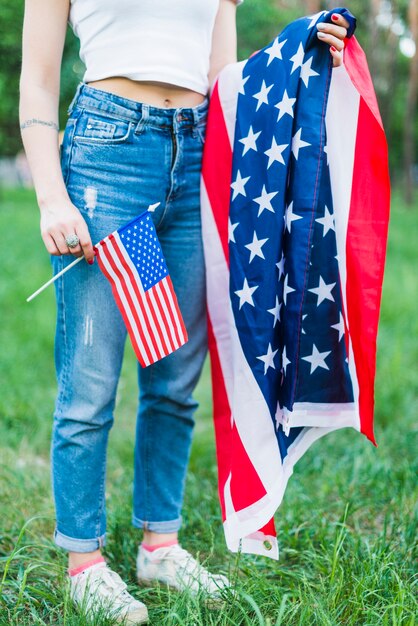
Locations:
{"points": [[387, 30], [348, 524]]}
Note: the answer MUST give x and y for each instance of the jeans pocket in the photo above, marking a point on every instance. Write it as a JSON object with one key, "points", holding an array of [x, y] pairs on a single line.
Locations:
{"points": [[65, 149], [102, 128]]}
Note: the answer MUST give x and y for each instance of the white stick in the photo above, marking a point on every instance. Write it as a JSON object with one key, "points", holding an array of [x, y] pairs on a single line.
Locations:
{"points": [[151, 208], [54, 278]]}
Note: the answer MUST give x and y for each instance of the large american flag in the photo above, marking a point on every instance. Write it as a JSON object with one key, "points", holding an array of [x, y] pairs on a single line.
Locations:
{"points": [[132, 260], [295, 203]]}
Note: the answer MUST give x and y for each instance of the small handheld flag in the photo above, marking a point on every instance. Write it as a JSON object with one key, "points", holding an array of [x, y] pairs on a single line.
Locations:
{"points": [[132, 260]]}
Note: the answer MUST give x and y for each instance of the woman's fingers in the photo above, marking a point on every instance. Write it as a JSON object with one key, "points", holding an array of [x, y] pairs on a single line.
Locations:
{"points": [[334, 35], [331, 40], [85, 241], [332, 29], [337, 56], [59, 238], [50, 244], [337, 18]]}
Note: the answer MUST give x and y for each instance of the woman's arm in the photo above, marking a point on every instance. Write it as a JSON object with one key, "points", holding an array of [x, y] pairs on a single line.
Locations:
{"points": [[224, 38], [44, 29]]}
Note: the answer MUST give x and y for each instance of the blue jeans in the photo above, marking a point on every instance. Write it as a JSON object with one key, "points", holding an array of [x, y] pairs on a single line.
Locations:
{"points": [[119, 156]]}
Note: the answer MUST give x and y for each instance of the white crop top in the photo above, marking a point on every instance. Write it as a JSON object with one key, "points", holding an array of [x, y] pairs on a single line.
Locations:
{"points": [[161, 40]]}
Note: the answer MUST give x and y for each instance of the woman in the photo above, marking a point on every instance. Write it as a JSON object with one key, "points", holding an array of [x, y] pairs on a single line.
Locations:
{"points": [[134, 137]]}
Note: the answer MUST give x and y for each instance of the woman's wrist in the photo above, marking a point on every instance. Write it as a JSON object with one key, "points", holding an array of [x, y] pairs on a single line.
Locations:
{"points": [[49, 199]]}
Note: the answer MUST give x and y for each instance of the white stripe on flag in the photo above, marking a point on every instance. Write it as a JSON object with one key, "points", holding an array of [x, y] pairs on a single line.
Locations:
{"points": [[343, 104], [124, 301], [228, 86], [173, 336], [245, 398], [173, 309], [155, 338], [164, 324]]}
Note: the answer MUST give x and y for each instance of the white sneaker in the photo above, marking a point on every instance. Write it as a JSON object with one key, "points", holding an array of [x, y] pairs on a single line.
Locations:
{"points": [[98, 588], [177, 568]]}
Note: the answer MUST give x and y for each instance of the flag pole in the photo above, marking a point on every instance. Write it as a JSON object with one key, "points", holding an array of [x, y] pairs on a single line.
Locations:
{"points": [[54, 278]]}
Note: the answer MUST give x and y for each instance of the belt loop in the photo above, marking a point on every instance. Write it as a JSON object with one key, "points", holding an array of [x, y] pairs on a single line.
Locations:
{"points": [[196, 116], [75, 98], [144, 117]]}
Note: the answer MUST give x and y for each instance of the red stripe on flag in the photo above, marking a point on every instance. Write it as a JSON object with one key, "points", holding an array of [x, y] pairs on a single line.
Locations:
{"points": [[221, 417], [166, 311], [176, 307], [217, 157], [152, 301], [231, 454], [157, 297], [165, 290], [365, 264], [137, 348], [131, 304], [140, 298]]}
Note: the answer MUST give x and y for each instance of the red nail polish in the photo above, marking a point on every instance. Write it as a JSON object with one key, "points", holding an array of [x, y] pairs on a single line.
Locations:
{"points": [[334, 18], [90, 262], [333, 49]]}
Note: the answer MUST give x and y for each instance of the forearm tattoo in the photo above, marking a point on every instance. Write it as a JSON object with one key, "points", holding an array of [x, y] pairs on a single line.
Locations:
{"points": [[35, 121]]}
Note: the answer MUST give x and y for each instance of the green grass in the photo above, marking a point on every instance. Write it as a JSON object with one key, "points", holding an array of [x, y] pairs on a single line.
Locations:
{"points": [[347, 526]]}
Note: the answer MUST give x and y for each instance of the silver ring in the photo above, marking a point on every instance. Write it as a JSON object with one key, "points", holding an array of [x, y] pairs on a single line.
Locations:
{"points": [[72, 240]]}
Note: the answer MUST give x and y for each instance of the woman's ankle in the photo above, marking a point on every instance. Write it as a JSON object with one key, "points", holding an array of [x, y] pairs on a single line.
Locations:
{"points": [[76, 559], [153, 539]]}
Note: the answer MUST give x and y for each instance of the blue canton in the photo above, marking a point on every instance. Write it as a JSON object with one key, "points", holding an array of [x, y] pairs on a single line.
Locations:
{"points": [[140, 241], [285, 286]]}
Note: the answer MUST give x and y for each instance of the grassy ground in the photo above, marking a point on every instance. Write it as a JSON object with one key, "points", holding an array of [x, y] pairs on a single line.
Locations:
{"points": [[347, 528]]}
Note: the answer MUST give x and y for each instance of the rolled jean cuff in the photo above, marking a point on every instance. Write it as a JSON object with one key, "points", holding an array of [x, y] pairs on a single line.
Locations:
{"points": [[171, 526], [78, 545]]}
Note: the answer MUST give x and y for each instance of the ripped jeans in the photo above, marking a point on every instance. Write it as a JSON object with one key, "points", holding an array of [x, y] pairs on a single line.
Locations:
{"points": [[118, 156]]}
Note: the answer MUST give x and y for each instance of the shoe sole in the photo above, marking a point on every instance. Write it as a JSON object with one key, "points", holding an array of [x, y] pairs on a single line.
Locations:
{"points": [[209, 602], [134, 618]]}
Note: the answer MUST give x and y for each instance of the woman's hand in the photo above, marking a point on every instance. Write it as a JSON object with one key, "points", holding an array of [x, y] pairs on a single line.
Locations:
{"points": [[58, 220], [334, 34]]}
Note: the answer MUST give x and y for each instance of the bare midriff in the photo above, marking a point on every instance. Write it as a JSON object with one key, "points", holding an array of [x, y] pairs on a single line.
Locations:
{"points": [[159, 94]]}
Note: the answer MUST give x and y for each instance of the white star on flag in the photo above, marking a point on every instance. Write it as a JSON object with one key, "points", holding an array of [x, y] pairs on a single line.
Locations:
{"points": [[280, 266], [275, 311], [326, 152], [285, 105], [268, 359], [243, 81], [323, 291], [285, 361], [315, 18], [264, 201], [303, 317], [340, 327], [298, 143], [275, 50], [307, 72], [250, 141], [297, 59], [286, 288], [290, 217], [239, 185], [261, 96], [278, 416], [245, 294], [255, 247], [231, 228], [327, 221], [317, 359], [275, 152]]}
